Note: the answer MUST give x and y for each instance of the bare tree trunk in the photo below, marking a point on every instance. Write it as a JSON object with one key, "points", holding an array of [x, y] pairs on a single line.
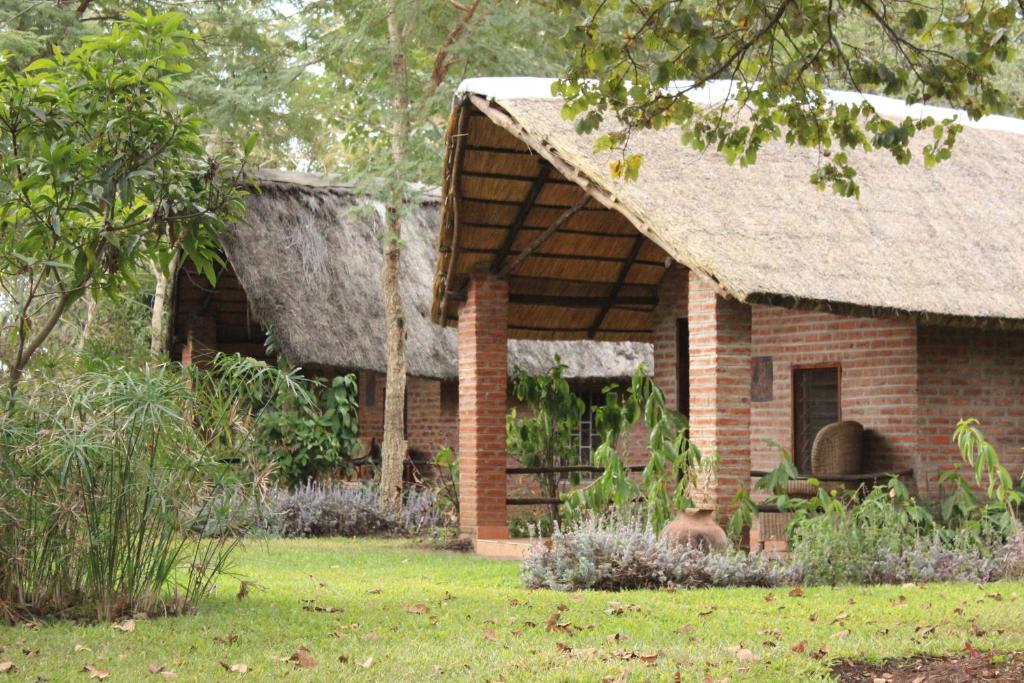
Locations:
{"points": [[160, 320], [394, 447]]}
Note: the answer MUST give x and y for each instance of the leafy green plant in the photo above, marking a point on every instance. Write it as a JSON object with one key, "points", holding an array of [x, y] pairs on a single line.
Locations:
{"points": [[101, 173], [106, 473], [546, 437], [304, 438], [672, 458], [977, 452], [447, 465]]}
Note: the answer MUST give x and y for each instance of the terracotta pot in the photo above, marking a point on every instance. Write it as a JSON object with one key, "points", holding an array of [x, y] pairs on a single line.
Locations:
{"points": [[697, 528]]}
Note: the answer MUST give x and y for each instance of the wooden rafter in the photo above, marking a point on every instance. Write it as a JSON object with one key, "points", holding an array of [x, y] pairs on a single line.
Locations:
{"points": [[532, 247], [524, 211], [617, 287]]}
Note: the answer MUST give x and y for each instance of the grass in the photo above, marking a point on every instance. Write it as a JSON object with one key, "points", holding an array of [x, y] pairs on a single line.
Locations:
{"points": [[460, 617]]}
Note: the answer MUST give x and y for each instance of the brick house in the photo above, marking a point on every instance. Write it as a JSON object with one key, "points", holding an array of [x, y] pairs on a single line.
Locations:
{"points": [[306, 265], [773, 308]]}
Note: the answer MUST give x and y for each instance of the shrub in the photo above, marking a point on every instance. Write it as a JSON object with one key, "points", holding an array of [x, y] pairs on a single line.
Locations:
{"points": [[889, 538], [306, 438], [315, 509], [103, 477], [613, 552]]}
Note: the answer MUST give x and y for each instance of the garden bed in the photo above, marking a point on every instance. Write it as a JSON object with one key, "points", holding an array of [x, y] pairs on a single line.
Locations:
{"points": [[972, 666]]}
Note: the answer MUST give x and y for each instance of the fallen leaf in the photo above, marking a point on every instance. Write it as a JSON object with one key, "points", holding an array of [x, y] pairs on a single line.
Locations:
{"points": [[745, 655], [7, 667], [841, 634], [82, 648], [303, 658], [840, 617], [229, 639], [155, 668], [368, 663], [94, 672], [797, 592], [489, 634], [235, 668], [127, 626], [706, 612], [799, 647], [374, 591], [650, 659], [770, 597], [418, 608]]}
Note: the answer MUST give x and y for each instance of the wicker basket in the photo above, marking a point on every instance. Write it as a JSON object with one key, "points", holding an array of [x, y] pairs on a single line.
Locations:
{"points": [[838, 449], [771, 526]]}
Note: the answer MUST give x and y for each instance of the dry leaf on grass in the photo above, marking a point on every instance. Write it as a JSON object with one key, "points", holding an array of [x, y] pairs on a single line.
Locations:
{"points": [[82, 648], [238, 668], [418, 608], [127, 626], [303, 658], [7, 667], [799, 647], [743, 654], [368, 663], [229, 639], [797, 592], [489, 634], [95, 673]]}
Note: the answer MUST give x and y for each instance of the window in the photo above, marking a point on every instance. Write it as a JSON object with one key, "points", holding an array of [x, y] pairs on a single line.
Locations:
{"points": [[815, 404], [588, 436]]}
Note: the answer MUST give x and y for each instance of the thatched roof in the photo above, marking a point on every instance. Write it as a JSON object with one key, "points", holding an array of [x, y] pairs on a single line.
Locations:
{"points": [[945, 244], [309, 258]]}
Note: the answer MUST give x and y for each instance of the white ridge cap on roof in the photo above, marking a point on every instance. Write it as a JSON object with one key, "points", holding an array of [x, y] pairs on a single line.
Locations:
{"points": [[530, 88]]}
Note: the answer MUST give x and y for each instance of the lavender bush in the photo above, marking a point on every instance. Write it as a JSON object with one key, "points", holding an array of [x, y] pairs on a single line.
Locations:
{"points": [[609, 553], [315, 509]]}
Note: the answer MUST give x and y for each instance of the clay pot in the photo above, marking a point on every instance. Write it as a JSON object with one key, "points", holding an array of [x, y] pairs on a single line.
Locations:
{"points": [[697, 528]]}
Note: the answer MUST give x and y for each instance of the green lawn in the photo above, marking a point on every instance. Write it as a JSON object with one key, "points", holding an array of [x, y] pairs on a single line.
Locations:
{"points": [[404, 614]]}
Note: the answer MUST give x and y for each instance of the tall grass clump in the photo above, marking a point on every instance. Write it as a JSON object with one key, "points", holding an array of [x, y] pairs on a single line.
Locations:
{"points": [[104, 474]]}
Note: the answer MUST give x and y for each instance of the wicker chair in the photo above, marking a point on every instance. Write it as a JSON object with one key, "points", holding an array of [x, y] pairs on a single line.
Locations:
{"points": [[838, 449]]}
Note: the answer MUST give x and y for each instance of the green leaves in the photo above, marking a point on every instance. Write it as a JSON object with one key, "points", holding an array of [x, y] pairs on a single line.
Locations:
{"points": [[642, 65], [671, 464], [102, 172]]}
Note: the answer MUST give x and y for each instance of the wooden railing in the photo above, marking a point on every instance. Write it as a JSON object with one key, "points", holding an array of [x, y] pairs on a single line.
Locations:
{"points": [[561, 469]]}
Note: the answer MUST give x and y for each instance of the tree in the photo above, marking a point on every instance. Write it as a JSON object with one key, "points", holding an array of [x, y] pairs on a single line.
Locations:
{"points": [[641, 60], [101, 172], [390, 68]]}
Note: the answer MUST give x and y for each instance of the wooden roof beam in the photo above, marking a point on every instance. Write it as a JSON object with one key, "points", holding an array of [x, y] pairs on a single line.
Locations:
{"points": [[543, 237], [617, 287], [524, 211]]}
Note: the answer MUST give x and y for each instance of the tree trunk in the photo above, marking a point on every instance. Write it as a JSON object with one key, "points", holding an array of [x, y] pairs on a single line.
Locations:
{"points": [[160, 321], [393, 448]]}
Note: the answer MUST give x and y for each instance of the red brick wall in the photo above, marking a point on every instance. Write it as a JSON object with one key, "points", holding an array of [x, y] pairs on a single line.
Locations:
{"points": [[720, 343], [878, 382], [969, 373], [483, 386], [429, 427]]}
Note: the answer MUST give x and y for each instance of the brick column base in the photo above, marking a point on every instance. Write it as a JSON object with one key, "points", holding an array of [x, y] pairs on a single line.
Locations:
{"points": [[483, 387]]}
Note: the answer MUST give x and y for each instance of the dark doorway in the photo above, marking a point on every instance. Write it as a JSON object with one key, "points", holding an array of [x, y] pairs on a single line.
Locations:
{"points": [[815, 404], [683, 366]]}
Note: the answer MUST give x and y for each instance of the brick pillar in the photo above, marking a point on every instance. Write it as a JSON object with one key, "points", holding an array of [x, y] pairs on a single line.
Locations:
{"points": [[719, 390], [483, 387], [200, 338]]}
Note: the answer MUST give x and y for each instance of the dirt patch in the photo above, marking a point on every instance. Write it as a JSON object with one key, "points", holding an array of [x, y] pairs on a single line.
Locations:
{"points": [[972, 666]]}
